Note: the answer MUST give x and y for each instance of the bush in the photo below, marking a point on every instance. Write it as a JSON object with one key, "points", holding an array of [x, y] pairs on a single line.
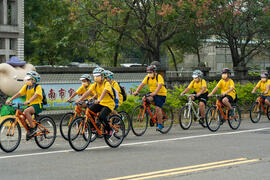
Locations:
{"points": [[245, 98]]}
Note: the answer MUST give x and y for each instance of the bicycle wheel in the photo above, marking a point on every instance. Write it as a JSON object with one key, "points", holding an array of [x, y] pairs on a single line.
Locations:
{"points": [[185, 117], [10, 135], [268, 113], [118, 126], [167, 118], [255, 112], [46, 133], [125, 117], [213, 119], [79, 134], [64, 124], [234, 122], [203, 123], [139, 122]]}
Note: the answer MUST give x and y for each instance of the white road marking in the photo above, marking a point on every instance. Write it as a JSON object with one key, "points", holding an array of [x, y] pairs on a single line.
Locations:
{"points": [[137, 143]]}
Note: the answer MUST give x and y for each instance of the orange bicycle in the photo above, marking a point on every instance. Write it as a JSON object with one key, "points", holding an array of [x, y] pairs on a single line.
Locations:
{"points": [[218, 114], [257, 109], [141, 113], [81, 129], [10, 130]]}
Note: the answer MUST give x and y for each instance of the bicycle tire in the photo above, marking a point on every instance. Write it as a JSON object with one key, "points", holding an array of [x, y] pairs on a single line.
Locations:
{"points": [[75, 136], [268, 112], [209, 119], [118, 126], [167, 119], [126, 118], [235, 122], [139, 125], [64, 123], [3, 127], [49, 138], [183, 117], [251, 113]]}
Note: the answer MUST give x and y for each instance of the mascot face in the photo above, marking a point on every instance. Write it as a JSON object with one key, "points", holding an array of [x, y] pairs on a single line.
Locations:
{"points": [[9, 75]]}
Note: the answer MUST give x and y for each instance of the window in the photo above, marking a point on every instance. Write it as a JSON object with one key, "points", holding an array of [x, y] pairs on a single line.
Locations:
{"points": [[2, 43]]}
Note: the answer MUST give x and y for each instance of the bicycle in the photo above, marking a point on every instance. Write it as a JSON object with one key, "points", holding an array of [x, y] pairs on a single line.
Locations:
{"points": [[81, 128], [10, 130], [216, 116], [141, 113], [189, 112], [257, 109]]}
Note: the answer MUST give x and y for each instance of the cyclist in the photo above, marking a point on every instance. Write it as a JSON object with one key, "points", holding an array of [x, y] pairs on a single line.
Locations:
{"points": [[158, 91], [105, 97], [109, 77], [228, 92], [34, 97], [200, 91], [263, 85], [86, 84]]}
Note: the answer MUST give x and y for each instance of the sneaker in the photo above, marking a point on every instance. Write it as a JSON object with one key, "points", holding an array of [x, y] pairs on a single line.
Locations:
{"points": [[159, 127], [32, 132], [201, 121]]}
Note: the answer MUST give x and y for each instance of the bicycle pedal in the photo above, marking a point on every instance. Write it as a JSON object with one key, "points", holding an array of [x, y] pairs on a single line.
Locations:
{"points": [[151, 123]]}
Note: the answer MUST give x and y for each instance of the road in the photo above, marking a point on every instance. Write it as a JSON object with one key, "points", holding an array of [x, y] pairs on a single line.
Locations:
{"points": [[195, 154]]}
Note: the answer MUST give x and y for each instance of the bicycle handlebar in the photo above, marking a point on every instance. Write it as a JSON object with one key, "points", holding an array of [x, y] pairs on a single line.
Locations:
{"points": [[17, 104], [145, 94]]}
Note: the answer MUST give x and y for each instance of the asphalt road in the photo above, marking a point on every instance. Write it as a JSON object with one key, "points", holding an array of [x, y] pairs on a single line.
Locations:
{"points": [[189, 155]]}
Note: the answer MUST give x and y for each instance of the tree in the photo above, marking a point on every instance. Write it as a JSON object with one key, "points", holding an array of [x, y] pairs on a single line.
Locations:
{"points": [[242, 25]]}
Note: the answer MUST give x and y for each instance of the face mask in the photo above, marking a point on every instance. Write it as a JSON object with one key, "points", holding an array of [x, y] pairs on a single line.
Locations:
{"points": [[29, 83], [85, 84], [263, 79], [97, 79], [224, 76], [151, 75], [197, 79]]}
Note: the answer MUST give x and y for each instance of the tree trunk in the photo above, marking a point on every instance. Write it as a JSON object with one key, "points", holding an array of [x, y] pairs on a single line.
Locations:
{"points": [[174, 60], [198, 55]]}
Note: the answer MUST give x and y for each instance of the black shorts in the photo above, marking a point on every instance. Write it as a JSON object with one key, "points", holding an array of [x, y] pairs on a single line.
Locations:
{"points": [[202, 98], [266, 97], [231, 101]]}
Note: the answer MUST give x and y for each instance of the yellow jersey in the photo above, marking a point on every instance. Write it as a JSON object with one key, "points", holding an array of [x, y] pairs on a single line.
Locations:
{"points": [[30, 92], [197, 86], [225, 86], [262, 86], [82, 90], [154, 82], [116, 86], [108, 99]]}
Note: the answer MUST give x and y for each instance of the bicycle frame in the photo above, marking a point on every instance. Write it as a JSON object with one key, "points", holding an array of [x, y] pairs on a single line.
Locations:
{"points": [[77, 112], [18, 118], [219, 108], [261, 101], [88, 116], [193, 106]]}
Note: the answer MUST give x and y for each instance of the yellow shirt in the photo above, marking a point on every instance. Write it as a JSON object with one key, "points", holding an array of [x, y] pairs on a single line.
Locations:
{"points": [[197, 86], [116, 86], [108, 100], [153, 84], [31, 92], [82, 90], [262, 86], [225, 86]]}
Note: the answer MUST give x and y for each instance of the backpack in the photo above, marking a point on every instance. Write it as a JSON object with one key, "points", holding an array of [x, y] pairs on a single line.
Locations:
{"points": [[123, 92], [44, 99], [115, 94]]}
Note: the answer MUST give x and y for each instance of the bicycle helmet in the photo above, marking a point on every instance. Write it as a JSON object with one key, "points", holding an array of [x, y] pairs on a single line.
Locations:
{"points": [[264, 75], [108, 74], [226, 70], [98, 71], [151, 68], [197, 73], [86, 76], [34, 75]]}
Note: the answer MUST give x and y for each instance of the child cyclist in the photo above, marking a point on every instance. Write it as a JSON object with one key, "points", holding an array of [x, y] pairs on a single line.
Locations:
{"points": [[34, 97], [109, 77], [105, 97], [86, 84], [158, 91], [263, 85], [228, 93], [200, 91]]}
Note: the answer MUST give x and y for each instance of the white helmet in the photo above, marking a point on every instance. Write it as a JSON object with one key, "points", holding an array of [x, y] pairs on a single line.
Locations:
{"points": [[86, 76], [32, 74]]}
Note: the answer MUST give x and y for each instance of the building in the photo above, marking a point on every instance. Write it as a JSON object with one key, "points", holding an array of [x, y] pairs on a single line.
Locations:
{"points": [[11, 29]]}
